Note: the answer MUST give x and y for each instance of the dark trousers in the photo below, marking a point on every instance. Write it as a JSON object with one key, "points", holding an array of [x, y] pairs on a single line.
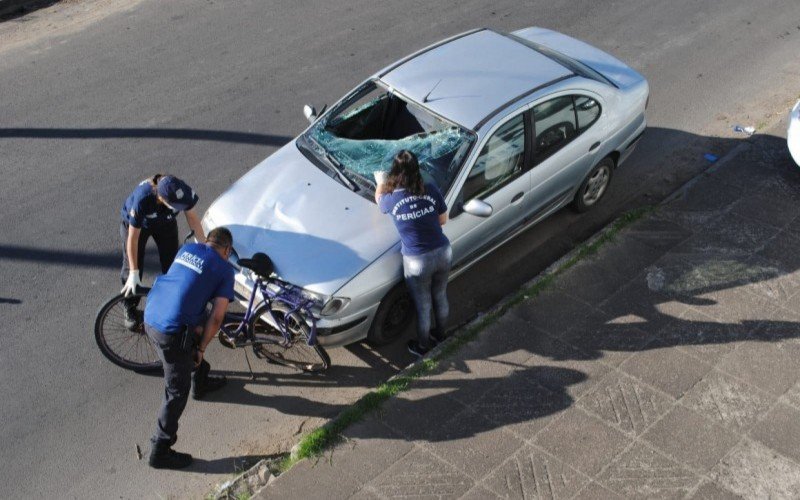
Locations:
{"points": [[179, 373], [166, 239]]}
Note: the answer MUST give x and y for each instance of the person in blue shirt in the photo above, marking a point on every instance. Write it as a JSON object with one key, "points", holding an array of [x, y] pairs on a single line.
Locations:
{"points": [[175, 321], [150, 210], [418, 211]]}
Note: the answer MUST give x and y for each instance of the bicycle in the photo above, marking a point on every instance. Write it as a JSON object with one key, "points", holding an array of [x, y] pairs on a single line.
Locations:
{"points": [[280, 326], [277, 325]]}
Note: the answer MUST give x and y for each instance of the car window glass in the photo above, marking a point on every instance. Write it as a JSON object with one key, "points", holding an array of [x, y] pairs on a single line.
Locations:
{"points": [[554, 121], [501, 158], [588, 111], [362, 134]]}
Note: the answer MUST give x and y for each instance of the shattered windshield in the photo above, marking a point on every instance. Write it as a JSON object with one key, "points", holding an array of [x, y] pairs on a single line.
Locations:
{"points": [[365, 132]]}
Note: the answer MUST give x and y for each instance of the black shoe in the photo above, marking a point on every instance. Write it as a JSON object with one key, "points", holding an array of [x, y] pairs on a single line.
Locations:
{"points": [[132, 318], [438, 335], [211, 384], [416, 349], [164, 457]]}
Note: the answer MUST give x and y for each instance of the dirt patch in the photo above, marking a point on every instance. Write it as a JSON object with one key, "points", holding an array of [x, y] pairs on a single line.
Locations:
{"points": [[57, 19]]}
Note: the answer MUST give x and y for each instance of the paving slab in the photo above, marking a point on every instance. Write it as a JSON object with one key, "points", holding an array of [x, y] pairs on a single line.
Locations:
{"points": [[703, 337], [733, 403], [591, 282], [370, 448], [691, 438], [626, 404], [556, 312], [666, 368], [563, 368], [712, 491], [780, 430], [765, 365], [643, 472], [421, 474], [524, 406], [533, 473], [473, 444], [753, 470], [583, 441], [595, 491]]}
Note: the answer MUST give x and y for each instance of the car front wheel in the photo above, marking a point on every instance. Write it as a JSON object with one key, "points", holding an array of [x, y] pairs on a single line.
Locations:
{"points": [[393, 316], [594, 186]]}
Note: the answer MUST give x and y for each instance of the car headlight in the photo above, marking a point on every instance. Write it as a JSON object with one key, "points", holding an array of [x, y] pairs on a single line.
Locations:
{"points": [[334, 305]]}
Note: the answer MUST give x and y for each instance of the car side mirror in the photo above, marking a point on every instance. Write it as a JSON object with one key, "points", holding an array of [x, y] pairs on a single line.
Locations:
{"points": [[310, 113], [478, 208]]}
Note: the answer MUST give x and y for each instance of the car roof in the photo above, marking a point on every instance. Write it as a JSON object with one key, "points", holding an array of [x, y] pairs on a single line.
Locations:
{"points": [[469, 78]]}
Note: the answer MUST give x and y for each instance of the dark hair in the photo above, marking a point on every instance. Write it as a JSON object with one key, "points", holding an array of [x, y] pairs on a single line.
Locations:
{"points": [[220, 236], [154, 180], [405, 173]]}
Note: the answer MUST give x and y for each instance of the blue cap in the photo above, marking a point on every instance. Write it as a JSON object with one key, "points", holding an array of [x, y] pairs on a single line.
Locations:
{"points": [[176, 192]]}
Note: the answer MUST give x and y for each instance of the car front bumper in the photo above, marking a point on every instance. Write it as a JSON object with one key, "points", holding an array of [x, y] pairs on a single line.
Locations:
{"points": [[333, 331]]}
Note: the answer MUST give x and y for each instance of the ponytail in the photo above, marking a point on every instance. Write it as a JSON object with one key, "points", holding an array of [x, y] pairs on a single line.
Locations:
{"points": [[154, 180]]}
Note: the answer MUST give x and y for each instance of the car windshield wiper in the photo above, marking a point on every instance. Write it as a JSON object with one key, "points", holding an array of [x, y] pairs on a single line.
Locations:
{"points": [[336, 165]]}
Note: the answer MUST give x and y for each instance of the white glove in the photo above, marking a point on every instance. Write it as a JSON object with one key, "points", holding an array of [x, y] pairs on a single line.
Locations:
{"points": [[380, 176], [132, 283]]}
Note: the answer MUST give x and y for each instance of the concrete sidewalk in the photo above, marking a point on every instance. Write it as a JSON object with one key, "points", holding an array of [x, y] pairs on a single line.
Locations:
{"points": [[664, 366]]}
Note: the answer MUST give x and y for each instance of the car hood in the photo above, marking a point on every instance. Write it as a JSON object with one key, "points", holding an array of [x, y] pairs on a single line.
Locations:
{"points": [[318, 233], [793, 133], [618, 72]]}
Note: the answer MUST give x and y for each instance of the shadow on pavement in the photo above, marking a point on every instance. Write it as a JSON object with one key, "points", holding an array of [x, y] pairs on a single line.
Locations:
{"points": [[145, 133]]}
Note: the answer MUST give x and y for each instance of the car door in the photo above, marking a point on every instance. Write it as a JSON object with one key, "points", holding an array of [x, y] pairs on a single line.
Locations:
{"points": [[500, 177], [563, 149]]}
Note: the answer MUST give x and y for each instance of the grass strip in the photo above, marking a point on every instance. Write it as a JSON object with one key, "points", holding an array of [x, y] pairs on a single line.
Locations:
{"points": [[322, 438]]}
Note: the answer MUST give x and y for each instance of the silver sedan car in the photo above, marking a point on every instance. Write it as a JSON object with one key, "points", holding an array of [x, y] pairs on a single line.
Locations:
{"points": [[510, 126]]}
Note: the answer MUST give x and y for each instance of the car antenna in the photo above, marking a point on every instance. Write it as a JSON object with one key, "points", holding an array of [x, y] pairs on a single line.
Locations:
{"points": [[425, 99]]}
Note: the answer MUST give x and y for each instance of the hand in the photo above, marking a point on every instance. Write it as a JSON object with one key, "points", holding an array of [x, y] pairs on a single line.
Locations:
{"points": [[380, 176], [132, 283], [198, 357]]}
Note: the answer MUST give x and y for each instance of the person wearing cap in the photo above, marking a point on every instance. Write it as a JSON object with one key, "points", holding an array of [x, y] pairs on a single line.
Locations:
{"points": [[150, 211]]}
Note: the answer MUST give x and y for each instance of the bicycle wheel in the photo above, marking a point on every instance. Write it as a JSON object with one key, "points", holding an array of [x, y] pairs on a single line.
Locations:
{"points": [[295, 353], [128, 348]]}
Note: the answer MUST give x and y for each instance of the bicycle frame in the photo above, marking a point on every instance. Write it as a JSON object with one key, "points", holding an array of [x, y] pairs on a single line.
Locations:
{"points": [[287, 295]]}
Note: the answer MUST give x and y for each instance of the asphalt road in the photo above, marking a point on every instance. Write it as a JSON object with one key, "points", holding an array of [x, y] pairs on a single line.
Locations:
{"points": [[205, 90]]}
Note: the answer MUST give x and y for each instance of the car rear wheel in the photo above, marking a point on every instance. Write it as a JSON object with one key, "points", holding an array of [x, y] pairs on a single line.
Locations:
{"points": [[594, 186], [393, 316]]}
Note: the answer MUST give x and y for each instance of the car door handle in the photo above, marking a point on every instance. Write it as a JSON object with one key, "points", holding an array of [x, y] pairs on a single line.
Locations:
{"points": [[594, 146], [517, 197]]}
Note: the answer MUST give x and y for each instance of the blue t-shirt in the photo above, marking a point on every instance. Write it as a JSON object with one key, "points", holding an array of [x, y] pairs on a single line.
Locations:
{"points": [[197, 275], [142, 209], [416, 219]]}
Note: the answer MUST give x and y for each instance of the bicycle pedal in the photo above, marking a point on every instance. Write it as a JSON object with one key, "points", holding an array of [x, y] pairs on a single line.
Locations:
{"points": [[226, 341]]}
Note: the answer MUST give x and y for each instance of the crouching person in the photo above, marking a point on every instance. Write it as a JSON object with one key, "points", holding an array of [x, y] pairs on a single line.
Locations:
{"points": [[175, 322]]}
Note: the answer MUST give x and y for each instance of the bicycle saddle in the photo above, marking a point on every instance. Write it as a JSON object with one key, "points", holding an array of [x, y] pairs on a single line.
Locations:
{"points": [[260, 263]]}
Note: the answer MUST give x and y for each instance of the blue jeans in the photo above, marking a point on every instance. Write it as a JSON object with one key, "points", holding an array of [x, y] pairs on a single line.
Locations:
{"points": [[426, 279]]}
